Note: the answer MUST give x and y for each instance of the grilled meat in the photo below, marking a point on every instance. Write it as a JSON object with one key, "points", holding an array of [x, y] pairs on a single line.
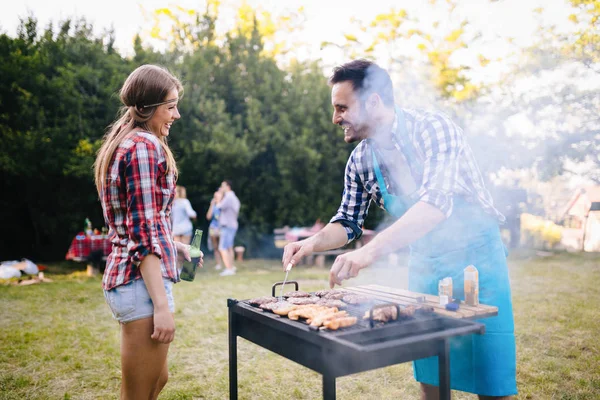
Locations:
{"points": [[273, 305], [262, 300], [307, 311], [390, 313], [334, 294], [331, 303], [297, 293], [356, 299], [325, 316], [285, 309], [328, 292], [408, 311], [336, 323], [383, 314], [302, 300]]}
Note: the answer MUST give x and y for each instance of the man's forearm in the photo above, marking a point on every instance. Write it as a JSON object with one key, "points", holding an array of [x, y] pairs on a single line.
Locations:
{"points": [[333, 236], [419, 220]]}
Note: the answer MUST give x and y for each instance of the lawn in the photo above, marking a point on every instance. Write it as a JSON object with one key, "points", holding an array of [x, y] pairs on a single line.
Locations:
{"points": [[58, 340]]}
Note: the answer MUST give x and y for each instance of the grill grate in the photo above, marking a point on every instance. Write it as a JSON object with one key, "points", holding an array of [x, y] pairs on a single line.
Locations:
{"points": [[354, 310]]}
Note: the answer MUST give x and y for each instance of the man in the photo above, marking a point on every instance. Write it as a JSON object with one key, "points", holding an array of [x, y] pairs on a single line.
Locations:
{"points": [[228, 225], [418, 166]]}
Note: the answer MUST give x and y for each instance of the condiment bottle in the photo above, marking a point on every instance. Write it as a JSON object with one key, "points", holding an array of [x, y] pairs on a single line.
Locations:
{"points": [[471, 285], [445, 290]]}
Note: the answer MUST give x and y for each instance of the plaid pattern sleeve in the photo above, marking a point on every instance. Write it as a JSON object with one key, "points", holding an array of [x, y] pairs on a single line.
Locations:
{"points": [[441, 142], [140, 178], [356, 198]]}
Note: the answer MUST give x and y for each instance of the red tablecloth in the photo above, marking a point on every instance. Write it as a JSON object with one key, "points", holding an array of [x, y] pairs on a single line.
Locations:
{"points": [[83, 245]]}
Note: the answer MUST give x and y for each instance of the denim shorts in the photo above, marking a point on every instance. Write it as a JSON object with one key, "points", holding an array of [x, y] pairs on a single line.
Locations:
{"points": [[132, 301], [227, 237]]}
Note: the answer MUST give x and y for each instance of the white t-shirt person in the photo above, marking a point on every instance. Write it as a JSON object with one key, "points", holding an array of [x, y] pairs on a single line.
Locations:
{"points": [[181, 213]]}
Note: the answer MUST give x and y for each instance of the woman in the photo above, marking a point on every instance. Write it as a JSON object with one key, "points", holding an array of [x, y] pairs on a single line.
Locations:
{"points": [[213, 229], [135, 175], [182, 212]]}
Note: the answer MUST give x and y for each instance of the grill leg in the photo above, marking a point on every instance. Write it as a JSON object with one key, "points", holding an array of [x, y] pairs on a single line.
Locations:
{"points": [[444, 367], [233, 389], [328, 387]]}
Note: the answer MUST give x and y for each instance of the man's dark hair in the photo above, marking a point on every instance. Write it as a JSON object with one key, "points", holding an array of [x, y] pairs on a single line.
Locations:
{"points": [[367, 78], [229, 183]]}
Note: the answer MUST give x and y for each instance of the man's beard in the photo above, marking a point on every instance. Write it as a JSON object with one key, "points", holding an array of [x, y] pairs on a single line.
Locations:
{"points": [[355, 132]]}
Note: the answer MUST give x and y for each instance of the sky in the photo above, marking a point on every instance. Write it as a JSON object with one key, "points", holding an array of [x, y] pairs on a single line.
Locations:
{"points": [[326, 20]]}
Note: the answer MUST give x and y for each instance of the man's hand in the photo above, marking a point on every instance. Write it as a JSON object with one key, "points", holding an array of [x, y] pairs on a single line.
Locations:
{"points": [[348, 265], [164, 326], [293, 252]]}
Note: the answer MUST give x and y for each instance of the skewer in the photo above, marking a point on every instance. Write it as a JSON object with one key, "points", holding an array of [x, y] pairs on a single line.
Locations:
{"points": [[287, 271]]}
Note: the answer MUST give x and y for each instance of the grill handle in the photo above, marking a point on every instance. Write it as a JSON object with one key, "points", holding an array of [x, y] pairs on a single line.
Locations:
{"points": [[280, 284], [384, 305]]}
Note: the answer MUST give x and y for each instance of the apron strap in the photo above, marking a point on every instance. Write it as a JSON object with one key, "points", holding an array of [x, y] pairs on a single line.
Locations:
{"points": [[379, 175], [408, 148]]}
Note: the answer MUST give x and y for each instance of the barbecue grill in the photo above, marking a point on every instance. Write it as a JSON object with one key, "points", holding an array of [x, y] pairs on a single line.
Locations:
{"points": [[358, 348]]}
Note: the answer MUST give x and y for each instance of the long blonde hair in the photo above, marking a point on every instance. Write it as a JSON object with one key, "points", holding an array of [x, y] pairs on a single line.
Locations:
{"points": [[147, 85]]}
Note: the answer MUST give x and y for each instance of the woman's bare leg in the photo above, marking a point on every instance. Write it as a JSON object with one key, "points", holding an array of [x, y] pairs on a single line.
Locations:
{"points": [[226, 260], [231, 256], [162, 381], [143, 361], [215, 243]]}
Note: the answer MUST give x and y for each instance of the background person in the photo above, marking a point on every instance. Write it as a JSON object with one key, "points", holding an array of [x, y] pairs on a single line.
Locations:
{"points": [[181, 213], [228, 226], [214, 234], [133, 164]]}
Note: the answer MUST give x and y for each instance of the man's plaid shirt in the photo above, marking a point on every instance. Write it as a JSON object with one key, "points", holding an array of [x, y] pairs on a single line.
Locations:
{"points": [[136, 200], [448, 165]]}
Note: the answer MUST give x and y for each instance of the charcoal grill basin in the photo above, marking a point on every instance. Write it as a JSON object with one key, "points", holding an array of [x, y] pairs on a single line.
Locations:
{"points": [[348, 351]]}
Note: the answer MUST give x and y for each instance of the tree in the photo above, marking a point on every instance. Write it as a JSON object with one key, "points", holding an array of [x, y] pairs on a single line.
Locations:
{"points": [[53, 93]]}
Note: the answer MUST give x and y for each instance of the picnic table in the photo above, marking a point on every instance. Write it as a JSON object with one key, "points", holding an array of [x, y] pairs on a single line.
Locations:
{"points": [[85, 248]]}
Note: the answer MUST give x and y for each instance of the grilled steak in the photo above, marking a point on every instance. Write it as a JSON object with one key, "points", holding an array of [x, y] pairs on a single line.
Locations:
{"points": [[356, 299], [262, 300], [297, 293], [334, 294], [274, 305], [302, 300], [331, 303]]}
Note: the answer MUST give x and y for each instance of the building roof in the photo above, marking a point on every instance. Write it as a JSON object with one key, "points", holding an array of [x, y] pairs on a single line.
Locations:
{"points": [[591, 192]]}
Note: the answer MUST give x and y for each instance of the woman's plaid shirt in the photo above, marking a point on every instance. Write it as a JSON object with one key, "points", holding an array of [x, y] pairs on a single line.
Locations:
{"points": [[448, 165], [136, 200]]}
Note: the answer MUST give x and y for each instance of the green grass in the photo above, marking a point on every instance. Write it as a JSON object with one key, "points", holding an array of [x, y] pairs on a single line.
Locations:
{"points": [[58, 340]]}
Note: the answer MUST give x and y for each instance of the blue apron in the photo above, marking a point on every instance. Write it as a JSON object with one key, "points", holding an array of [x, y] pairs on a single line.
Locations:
{"points": [[481, 364]]}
